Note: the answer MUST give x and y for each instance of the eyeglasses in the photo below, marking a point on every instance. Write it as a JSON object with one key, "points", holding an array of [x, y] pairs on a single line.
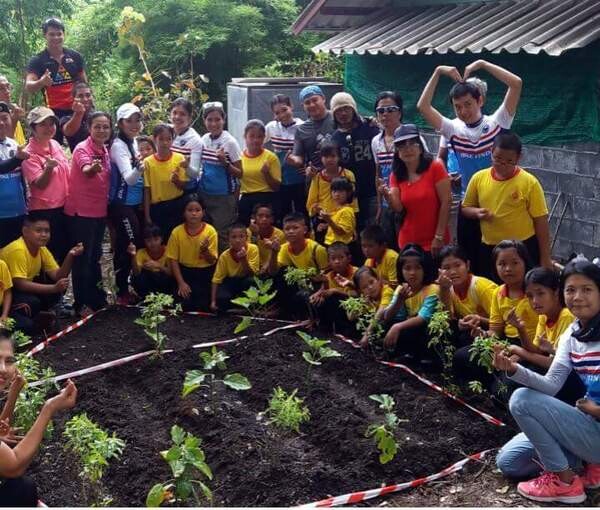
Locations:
{"points": [[212, 104], [387, 109], [413, 142], [503, 162]]}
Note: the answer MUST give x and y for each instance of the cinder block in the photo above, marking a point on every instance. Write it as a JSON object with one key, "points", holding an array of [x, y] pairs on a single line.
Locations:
{"points": [[587, 164], [577, 231], [559, 160], [531, 156], [579, 186], [548, 179], [586, 209]]}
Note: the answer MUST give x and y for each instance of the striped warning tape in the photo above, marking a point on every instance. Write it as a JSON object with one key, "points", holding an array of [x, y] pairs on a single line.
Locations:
{"points": [[485, 416], [357, 497]]}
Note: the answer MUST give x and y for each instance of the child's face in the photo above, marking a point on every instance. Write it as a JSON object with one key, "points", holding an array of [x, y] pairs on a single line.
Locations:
{"points": [[193, 213], [330, 161], [371, 249], [412, 272], [467, 108], [263, 218], [8, 365], [145, 149], [100, 130], [543, 299], [510, 267], [370, 287], [180, 118], [283, 113], [214, 123], [37, 234], [340, 197], [153, 244], [294, 231], [339, 261], [504, 161], [255, 138], [163, 142], [458, 270], [238, 238], [582, 297]]}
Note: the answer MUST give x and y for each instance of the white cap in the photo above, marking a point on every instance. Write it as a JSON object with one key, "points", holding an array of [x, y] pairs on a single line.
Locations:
{"points": [[127, 110]]}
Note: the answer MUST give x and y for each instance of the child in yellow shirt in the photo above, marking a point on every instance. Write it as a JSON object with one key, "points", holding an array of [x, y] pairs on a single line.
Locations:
{"points": [[340, 221], [192, 253], [263, 233], [381, 258], [235, 269], [150, 266]]}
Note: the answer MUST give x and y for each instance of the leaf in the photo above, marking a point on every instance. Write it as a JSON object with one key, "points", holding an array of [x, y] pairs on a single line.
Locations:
{"points": [[177, 434], [173, 453], [193, 380], [203, 468], [155, 496], [305, 336], [177, 467], [377, 398], [328, 352], [237, 382], [183, 489], [205, 490], [308, 357], [241, 301], [244, 324]]}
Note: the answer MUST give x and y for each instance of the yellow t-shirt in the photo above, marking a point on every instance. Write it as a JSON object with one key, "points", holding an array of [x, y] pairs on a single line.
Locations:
{"points": [[185, 248], [263, 250], [555, 330], [23, 264], [228, 267], [252, 180], [414, 303], [313, 255], [387, 268], [157, 177], [387, 293], [501, 307], [332, 284], [5, 280], [478, 299], [513, 202], [143, 256], [344, 218], [319, 192], [19, 135]]}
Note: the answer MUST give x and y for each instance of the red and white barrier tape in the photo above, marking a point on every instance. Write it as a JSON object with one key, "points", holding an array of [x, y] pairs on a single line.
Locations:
{"points": [[357, 497], [485, 416]]}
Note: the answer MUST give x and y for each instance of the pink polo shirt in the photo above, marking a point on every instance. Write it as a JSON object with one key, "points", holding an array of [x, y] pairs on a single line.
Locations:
{"points": [[55, 193], [88, 195]]}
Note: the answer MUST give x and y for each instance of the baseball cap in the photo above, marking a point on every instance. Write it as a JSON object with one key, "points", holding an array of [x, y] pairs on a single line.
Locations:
{"points": [[126, 110], [406, 132], [40, 114], [310, 90]]}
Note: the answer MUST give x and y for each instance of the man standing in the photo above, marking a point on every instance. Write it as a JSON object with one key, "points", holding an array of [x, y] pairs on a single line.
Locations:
{"points": [[55, 70], [16, 111], [74, 126]]}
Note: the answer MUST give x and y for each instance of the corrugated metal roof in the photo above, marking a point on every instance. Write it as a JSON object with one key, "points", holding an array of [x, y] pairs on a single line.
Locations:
{"points": [[550, 26]]}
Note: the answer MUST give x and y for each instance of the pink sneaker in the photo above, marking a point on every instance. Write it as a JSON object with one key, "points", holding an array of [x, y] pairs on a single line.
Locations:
{"points": [[548, 487], [591, 476]]}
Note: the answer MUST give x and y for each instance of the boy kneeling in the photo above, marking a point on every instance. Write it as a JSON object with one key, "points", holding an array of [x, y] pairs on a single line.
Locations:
{"points": [[38, 281]]}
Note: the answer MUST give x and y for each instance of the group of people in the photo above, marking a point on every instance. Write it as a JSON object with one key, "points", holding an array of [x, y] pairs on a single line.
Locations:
{"points": [[358, 203]]}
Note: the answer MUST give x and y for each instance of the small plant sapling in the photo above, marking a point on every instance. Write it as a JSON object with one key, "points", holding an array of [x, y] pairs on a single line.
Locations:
{"points": [[476, 387], [303, 279], [155, 309], [94, 448], [188, 463], [211, 361], [359, 310], [318, 351], [255, 300], [19, 338], [385, 433], [482, 351], [440, 334], [287, 411]]}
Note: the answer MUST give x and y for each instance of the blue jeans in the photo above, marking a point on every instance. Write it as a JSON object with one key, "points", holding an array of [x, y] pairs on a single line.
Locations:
{"points": [[556, 434]]}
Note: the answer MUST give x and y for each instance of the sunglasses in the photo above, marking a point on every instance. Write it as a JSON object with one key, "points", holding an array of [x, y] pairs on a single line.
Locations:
{"points": [[387, 109], [412, 142], [212, 104]]}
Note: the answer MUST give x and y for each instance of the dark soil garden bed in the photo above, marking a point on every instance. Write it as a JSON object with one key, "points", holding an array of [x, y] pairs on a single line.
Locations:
{"points": [[254, 463]]}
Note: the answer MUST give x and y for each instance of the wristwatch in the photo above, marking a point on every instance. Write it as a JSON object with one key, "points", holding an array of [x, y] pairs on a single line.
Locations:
{"points": [[438, 237]]}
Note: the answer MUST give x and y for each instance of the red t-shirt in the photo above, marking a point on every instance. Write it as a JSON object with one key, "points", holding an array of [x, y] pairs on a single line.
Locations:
{"points": [[422, 206]]}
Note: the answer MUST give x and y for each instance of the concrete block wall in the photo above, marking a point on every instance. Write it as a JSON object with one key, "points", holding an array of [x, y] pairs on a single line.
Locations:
{"points": [[571, 181]]}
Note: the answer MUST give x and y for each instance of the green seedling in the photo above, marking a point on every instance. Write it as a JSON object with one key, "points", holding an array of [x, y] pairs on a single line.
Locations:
{"points": [[188, 463], [287, 411], [19, 338], [302, 278], [318, 351], [211, 361], [94, 448], [155, 310], [385, 433], [440, 335], [255, 300], [31, 399], [476, 387], [359, 310], [482, 351]]}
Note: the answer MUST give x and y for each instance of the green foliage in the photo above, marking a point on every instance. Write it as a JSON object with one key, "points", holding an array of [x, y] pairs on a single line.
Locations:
{"points": [[359, 310], [384, 433], [255, 300], [287, 411], [155, 309], [188, 463], [302, 278], [440, 334], [318, 349], [30, 400], [19, 338], [211, 361], [94, 448], [476, 387], [482, 351]]}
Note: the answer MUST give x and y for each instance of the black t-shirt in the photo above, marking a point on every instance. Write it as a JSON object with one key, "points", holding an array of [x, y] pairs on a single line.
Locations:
{"points": [[81, 134], [355, 148], [64, 75]]}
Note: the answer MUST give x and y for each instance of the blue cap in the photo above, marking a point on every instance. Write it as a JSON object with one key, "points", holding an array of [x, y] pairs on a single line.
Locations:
{"points": [[310, 90]]}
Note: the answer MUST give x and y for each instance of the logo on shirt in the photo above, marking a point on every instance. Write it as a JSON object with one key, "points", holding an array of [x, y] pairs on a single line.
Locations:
{"points": [[515, 195]]}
